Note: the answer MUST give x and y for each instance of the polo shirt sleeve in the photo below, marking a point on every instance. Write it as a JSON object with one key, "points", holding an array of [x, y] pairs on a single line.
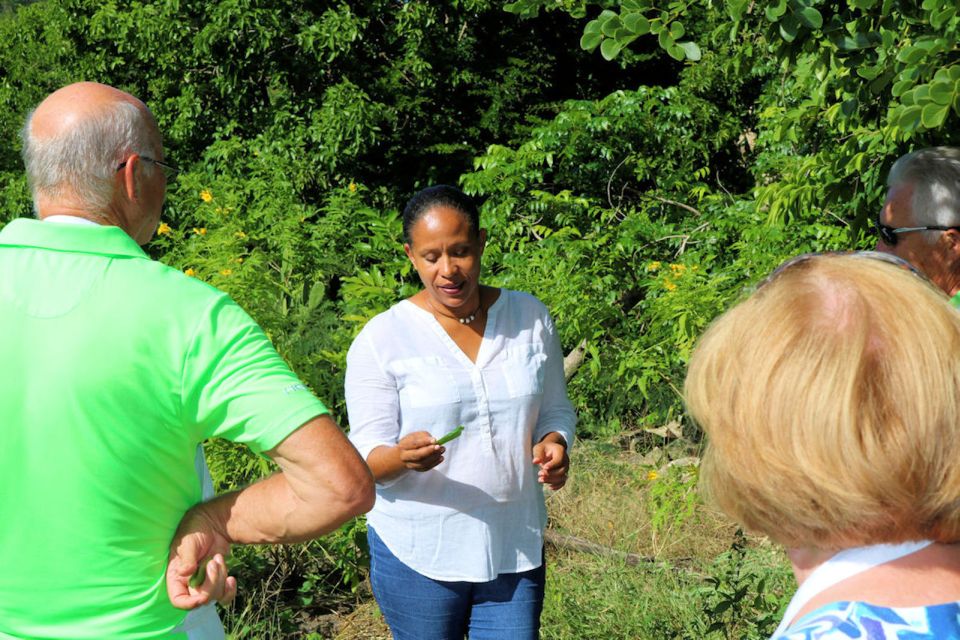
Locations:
{"points": [[236, 386]]}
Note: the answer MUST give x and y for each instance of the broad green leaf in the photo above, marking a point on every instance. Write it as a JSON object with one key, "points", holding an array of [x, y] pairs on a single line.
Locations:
{"points": [[954, 72], [940, 18], [665, 40], [609, 49], [677, 52], [589, 41], [737, 9], [775, 11], [942, 92], [677, 30], [880, 82], [789, 27], [909, 118], [863, 4], [611, 25], [637, 23], [593, 27], [901, 87], [911, 55], [691, 50], [869, 73], [810, 17], [634, 5], [930, 5], [849, 107], [933, 115]]}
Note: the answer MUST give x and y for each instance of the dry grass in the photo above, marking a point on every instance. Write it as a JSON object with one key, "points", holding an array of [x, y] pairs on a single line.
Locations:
{"points": [[363, 623], [611, 500], [608, 501]]}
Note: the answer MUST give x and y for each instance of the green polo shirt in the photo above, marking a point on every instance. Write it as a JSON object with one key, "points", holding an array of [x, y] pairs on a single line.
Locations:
{"points": [[114, 367]]}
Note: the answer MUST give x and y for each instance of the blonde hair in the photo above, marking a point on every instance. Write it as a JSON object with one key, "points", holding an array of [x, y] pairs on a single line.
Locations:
{"points": [[831, 404]]}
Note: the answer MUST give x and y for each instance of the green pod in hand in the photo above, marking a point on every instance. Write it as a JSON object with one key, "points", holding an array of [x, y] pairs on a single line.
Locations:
{"points": [[450, 436], [201, 573]]}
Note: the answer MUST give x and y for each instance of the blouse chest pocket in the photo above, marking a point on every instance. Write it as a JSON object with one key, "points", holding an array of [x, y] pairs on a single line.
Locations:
{"points": [[425, 382], [523, 370]]}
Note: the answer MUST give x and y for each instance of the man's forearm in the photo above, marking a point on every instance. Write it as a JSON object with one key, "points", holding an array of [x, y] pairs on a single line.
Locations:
{"points": [[323, 483], [269, 511]]}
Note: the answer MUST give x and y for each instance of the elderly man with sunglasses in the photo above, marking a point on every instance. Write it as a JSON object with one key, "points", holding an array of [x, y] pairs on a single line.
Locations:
{"points": [[115, 368], [920, 220]]}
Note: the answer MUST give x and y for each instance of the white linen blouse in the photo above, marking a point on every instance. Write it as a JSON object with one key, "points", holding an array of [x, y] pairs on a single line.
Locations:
{"points": [[480, 512]]}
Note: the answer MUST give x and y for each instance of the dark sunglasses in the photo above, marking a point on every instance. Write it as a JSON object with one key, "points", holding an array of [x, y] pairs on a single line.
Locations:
{"points": [[889, 258], [889, 234]]}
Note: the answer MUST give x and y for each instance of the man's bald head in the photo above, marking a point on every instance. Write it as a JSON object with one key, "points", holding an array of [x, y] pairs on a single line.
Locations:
{"points": [[76, 138]]}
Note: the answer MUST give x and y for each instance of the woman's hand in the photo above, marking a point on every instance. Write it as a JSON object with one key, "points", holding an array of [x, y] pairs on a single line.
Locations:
{"points": [[551, 454], [417, 451]]}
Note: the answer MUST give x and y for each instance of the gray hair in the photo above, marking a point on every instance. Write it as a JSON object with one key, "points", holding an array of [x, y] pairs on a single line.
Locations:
{"points": [[934, 174], [83, 159]]}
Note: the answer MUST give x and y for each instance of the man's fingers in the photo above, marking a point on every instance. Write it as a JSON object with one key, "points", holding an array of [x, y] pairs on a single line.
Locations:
{"points": [[229, 592]]}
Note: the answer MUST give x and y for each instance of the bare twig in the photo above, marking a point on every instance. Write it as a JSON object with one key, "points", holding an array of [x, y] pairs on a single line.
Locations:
{"points": [[610, 182], [695, 212]]}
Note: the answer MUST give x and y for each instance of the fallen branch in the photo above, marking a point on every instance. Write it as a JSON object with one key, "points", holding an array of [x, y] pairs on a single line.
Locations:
{"points": [[574, 359], [573, 543]]}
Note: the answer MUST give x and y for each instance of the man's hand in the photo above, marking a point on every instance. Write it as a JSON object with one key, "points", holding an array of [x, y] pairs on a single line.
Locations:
{"points": [[197, 541], [551, 454]]}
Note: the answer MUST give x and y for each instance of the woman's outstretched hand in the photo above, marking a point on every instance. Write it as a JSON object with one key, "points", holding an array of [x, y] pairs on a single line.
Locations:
{"points": [[419, 451], [551, 454], [416, 451]]}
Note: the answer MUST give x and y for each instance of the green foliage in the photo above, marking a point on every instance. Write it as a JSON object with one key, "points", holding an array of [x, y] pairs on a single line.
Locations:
{"points": [[636, 198], [738, 599], [613, 31]]}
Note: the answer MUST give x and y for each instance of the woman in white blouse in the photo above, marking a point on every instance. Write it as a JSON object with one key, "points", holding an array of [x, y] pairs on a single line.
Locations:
{"points": [[456, 535]]}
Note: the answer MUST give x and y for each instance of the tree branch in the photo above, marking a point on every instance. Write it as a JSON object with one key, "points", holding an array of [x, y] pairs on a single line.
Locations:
{"points": [[574, 359]]}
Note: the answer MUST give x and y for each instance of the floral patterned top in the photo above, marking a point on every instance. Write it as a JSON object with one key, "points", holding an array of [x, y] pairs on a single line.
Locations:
{"points": [[843, 620]]}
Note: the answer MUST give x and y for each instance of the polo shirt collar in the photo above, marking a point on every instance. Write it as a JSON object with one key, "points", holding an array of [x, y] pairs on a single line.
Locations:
{"points": [[102, 240]]}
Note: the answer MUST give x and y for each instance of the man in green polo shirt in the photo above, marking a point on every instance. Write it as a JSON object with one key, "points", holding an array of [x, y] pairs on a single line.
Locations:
{"points": [[920, 220], [114, 368]]}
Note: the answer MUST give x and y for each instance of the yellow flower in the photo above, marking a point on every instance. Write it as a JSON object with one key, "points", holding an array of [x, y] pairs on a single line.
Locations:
{"points": [[653, 266], [669, 285], [190, 272], [652, 475], [226, 272], [206, 196], [239, 260], [202, 231], [163, 229], [678, 269], [240, 234], [353, 187]]}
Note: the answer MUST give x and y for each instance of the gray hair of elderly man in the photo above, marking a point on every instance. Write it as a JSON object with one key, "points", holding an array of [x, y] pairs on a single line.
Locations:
{"points": [[81, 161], [934, 174]]}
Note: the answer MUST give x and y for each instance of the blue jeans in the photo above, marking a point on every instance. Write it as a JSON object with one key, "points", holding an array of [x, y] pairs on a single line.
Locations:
{"points": [[420, 608]]}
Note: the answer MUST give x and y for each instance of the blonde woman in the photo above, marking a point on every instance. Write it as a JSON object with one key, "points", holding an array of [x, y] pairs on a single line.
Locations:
{"points": [[831, 403]]}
